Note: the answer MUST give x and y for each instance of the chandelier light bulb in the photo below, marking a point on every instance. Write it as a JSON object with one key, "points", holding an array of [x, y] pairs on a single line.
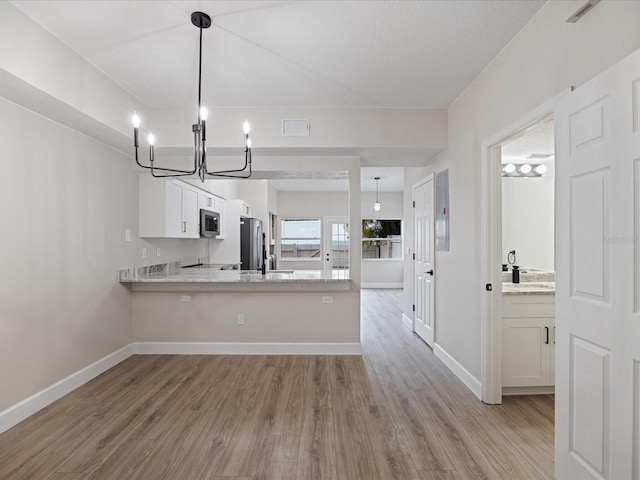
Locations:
{"points": [[540, 169], [151, 139], [525, 168], [246, 127], [204, 113], [509, 168], [135, 120], [248, 143]]}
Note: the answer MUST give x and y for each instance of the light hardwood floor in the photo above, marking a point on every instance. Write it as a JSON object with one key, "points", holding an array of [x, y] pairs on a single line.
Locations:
{"points": [[395, 413]]}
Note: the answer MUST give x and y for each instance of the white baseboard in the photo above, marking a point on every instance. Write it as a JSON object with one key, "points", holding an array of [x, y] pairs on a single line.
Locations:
{"points": [[27, 407], [382, 285], [407, 322], [212, 348], [462, 373]]}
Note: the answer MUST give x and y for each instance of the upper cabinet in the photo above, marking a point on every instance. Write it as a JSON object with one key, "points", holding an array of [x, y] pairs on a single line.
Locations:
{"points": [[170, 208]]}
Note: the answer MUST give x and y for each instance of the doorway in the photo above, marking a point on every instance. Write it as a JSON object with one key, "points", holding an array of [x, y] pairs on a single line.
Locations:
{"points": [[495, 254]]}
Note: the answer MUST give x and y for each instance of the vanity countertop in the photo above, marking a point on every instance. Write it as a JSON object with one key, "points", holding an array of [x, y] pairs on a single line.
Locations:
{"points": [[529, 288]]}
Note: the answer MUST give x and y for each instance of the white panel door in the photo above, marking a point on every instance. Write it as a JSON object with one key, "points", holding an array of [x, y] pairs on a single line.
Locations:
{"points": [[597, 289], [424, 241]]}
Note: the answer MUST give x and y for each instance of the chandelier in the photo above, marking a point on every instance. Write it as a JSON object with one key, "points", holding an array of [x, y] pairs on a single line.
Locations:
{"points": [[199, 129]]}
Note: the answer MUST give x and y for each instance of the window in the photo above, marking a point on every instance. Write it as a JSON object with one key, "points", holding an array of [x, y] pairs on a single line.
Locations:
{"points": [[300, 239], [381, 239]]}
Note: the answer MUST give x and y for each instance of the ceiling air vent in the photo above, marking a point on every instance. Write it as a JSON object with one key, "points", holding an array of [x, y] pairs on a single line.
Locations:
{"points": [[582, 11], [295, 127], [539, 156]]}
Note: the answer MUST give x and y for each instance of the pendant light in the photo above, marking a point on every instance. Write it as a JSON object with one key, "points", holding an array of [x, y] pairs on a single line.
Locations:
{"points": [[377, 206], [201, 21]]}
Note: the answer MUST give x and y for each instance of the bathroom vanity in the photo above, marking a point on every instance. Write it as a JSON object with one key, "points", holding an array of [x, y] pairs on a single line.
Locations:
{"points": [[528, 336]]}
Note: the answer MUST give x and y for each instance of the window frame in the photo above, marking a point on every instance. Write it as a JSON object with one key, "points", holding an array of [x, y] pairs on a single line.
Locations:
{"points": [[280, 238], [397, 259]]}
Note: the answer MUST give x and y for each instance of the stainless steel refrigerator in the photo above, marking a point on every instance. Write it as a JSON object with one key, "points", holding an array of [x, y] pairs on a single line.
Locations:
{"points": [[251, 248]]}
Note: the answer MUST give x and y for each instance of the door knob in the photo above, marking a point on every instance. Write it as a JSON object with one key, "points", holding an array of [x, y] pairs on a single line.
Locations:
{"points": [[430, 272]]}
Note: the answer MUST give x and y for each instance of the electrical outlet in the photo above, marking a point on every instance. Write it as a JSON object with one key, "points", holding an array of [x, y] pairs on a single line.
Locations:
{"points": [[327, 299], [144, 252], [158, 251], [185, 298], [127, 235], [241, 319]]}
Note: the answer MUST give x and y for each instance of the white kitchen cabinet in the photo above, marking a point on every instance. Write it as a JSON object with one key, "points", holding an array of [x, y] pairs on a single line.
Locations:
{"points": [[168, 208], [206, 201], [528, 341]]}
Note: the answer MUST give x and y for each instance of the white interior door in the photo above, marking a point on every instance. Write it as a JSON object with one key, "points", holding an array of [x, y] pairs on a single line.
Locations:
{"points": [[424, 241], [597, 289], [335, 243]]}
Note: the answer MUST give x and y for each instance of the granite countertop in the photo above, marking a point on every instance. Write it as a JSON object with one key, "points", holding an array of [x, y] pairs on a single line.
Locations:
{"points": [[172, 273], [529, 288]]}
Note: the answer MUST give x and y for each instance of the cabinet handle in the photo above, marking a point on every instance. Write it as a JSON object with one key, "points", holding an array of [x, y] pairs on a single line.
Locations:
{"points": [[184, 227], [547, 341], [554, 335]]}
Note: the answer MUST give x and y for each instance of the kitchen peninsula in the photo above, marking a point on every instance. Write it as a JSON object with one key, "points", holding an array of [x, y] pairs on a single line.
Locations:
{"points": [[209, 311]]}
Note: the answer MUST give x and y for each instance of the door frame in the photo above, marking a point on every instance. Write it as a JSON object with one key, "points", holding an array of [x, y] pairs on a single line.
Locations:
{"points": [[491, 246], [432, 177]]}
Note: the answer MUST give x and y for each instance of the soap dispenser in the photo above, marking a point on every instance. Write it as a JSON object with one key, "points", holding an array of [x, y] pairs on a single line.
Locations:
{"points": [[515, 274]]}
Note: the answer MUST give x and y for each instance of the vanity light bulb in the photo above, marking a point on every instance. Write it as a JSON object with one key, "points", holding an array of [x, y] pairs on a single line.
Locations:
{"points": [[151, 139], [526, 168], [509, 168], [204, 113], [135, 120], [246, 127], [540, 169], [248, 143]]}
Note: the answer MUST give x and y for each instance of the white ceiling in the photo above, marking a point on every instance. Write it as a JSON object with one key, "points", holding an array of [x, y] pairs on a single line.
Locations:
{"points": [[289, 53], [536, 140]]}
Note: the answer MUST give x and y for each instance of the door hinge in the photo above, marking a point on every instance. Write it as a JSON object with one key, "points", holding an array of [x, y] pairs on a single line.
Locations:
{"points": [[414, 308], [488, 287], [414, 256], [414, 204]]}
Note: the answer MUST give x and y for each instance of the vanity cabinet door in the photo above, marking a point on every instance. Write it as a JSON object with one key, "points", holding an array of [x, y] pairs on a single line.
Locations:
{"points": [[527, 359]]}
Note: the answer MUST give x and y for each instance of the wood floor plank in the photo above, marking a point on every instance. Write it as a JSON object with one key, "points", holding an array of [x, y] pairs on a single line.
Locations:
{"points": [[396, 412]]}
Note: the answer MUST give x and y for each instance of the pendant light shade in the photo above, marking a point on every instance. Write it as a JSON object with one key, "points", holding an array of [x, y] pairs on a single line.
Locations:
{"points": [[377, 206]]}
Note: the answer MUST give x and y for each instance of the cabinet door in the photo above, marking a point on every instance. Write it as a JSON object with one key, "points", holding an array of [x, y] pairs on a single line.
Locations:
{"points": [[190, 213], [206, 201], [173, 209], [527, 352]]}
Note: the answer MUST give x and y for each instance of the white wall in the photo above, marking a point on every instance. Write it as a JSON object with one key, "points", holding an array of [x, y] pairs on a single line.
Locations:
{"points": [[546, 57], [65, 203], [528, 220], [382, 273]]}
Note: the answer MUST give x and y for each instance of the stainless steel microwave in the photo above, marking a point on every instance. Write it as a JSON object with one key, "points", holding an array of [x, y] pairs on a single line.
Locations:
{"points": [[209, 223]]}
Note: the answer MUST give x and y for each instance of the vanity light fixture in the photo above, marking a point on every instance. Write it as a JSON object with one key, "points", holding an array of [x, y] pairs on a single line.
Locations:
{"points": [[525, 170], [377, 206], [201, 21]]}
